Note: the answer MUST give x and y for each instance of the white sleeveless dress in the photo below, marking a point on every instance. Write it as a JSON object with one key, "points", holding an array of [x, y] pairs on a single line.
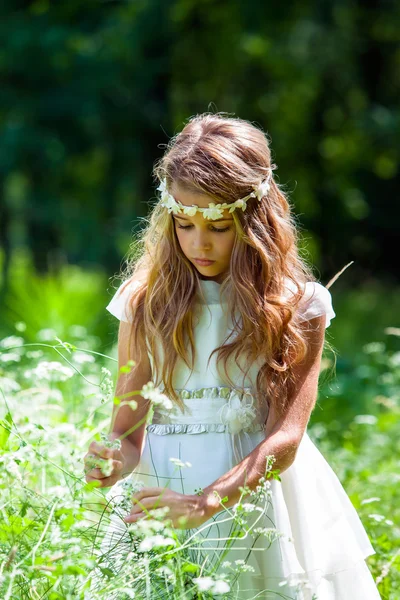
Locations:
{"points": [[321, 550]]}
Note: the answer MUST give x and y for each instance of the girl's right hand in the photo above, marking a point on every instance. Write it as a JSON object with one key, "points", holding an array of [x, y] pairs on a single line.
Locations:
{"points": [[103, 464]]}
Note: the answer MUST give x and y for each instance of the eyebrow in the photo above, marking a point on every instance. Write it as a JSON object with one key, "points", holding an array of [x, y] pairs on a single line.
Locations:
{"points": [[214, 220]]}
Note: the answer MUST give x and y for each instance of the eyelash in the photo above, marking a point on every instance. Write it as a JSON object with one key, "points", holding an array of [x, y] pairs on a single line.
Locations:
{"points": [[214, 229]]}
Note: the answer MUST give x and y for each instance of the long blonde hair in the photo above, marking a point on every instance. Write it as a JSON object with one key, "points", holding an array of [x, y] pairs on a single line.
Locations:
{"points": [[222, 157]]}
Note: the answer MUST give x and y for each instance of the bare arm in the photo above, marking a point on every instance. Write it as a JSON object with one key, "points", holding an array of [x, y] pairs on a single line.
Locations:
{"points": [[283, 435], [127, 424]]}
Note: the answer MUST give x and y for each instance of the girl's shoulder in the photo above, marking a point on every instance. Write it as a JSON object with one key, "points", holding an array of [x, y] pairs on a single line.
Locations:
{"points": [[118, 306], [317, 301]]}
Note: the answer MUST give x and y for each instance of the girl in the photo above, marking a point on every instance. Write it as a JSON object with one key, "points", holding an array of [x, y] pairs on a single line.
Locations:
{"points": [[224, 316]]}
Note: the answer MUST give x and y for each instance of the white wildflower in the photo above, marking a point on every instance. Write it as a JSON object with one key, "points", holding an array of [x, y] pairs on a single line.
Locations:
{"points": [[34, 354], [20, 326], [46, 335], [51, 371], [155, 541], [12, 341], [106, 386], [82, 358], [152, 393], [365, 419], [204, 583], [377, 518], [131, 487], [8, 385], [392, 331], [394, 360], [107, 467], [115, 444], [374, 348], [368, 500], [208, 584], [12, 468], [220, 587], [77, 331], [385, 378], [7, 357], [58, 491]]}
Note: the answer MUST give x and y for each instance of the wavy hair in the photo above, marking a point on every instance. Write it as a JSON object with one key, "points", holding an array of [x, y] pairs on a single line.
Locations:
{"points": [[222, 157]]}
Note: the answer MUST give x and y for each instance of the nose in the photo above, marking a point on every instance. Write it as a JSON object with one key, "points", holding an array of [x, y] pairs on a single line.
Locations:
{"points": [[201, 241]]}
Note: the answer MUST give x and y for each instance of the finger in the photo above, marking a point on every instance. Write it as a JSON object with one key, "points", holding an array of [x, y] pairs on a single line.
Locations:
{"points": [[101, 450], [146, 504], [97, 473], [147, 492], [101, 483], [132, 518]]}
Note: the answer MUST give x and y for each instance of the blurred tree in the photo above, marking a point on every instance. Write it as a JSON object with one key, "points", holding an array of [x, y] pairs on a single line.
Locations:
{"points": [[91, 91]]}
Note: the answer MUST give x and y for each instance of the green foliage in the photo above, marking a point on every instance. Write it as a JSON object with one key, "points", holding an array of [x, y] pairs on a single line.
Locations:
{"points": [[90, 91]]}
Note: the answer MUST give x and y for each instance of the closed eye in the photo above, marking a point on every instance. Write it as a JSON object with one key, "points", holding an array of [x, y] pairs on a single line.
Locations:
{"points": [[213, 228]]}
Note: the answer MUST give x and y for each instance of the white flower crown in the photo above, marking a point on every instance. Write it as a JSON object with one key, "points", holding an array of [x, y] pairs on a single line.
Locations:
{"points": [[214, 211]]}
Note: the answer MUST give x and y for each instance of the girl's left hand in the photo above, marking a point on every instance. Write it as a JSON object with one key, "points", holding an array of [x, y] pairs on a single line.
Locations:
{"points": [[180, 505]]}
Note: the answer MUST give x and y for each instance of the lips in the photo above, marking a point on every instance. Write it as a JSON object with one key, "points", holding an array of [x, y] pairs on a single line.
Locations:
{"points": [[204, 261]]}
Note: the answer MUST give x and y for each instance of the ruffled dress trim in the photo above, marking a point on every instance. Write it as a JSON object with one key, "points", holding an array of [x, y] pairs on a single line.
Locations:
{"points": [[168, 428]]}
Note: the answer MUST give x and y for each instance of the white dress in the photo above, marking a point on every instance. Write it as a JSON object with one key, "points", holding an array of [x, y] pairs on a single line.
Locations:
{"points": [[321, 550]]}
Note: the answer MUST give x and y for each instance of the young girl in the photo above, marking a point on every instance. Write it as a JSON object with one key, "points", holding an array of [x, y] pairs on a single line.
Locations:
{"points": [[223, 315]]}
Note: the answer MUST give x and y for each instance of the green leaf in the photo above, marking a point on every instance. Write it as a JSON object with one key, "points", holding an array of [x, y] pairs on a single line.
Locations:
{"points": [[5, 430]]}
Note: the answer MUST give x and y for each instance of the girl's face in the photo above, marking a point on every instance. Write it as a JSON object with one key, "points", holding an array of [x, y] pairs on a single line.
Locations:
{"points": [[202, 238]]}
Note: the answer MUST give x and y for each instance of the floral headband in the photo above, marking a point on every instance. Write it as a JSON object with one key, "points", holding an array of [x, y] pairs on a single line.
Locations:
{"points": [[214, 211]]}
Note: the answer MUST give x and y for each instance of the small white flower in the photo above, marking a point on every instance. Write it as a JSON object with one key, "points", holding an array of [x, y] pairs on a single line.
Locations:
{"points": [[377, 518], [155, 541], [248, 508], [227, 563], [152, 393], [13, 469], [221, 587], [115, 444], [8, 385], [6, 357], [365, 419], [77, 331], [34, 354], [213, 212], [204, 583], [52, 371], [239, 204], [374, 348], [190, 210], [81, 358], [11, 341], [262, 189], [368, 500], [46, 335]]}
